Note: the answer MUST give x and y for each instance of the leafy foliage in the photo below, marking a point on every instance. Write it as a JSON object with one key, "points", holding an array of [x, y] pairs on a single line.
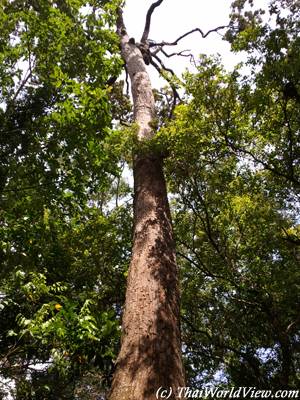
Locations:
{"points": [[234, 173], [64, 250], [65, 218]]}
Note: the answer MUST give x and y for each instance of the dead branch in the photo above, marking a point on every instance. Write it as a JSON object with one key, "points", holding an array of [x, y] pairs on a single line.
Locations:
{"points": [[204, 35], [148, 20], [121, 29], [174, 90], [181, 54], [162, 65], [127, 80]]}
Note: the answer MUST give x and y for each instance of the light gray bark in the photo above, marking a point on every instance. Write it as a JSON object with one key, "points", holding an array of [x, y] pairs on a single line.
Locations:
{"points": [[142, 95]]}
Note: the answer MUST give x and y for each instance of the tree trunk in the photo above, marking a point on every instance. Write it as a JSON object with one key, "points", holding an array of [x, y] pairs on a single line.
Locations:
{"points": [[150, 355]]}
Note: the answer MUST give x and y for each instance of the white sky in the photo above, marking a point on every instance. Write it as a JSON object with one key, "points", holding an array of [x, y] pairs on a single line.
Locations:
{"points": [[175, 17]]}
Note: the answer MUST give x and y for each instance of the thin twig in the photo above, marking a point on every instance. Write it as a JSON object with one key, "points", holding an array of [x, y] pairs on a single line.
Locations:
{"points": [[163, 66], [175, 93], [181, 54], [204, 35]]}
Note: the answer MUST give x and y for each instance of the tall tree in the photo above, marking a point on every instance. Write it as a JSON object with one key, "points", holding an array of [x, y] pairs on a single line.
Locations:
{"points": [[232, 165], [150, 355]]}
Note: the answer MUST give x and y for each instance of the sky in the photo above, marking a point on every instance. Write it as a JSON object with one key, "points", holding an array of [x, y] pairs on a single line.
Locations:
{"points": [[175, 17]]}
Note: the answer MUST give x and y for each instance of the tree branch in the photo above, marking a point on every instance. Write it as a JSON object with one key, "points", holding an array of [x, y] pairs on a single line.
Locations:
{"points": [[174, 90], [22, 84], [181, 54], [204, 35], [276, 171], [127, 80], [148, 20], [121, 29], [163, 66]]}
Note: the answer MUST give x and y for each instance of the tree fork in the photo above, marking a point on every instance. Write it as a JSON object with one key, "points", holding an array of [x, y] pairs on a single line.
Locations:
{"points": [[150, 355]]}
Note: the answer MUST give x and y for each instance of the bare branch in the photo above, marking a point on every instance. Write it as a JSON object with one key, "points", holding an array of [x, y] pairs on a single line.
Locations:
{"points": [[121, 29], [174, 90], [162, 65], [127, 81], [22, 85], [204, 35], [181, 54], [148, 20]]}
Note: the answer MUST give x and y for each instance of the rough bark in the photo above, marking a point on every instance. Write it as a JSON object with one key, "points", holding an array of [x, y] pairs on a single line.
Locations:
{"points": [[150, 355]]}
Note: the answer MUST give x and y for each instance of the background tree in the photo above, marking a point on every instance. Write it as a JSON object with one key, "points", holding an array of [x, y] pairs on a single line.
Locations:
{"points": [[60, 301], [234, 173]]}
